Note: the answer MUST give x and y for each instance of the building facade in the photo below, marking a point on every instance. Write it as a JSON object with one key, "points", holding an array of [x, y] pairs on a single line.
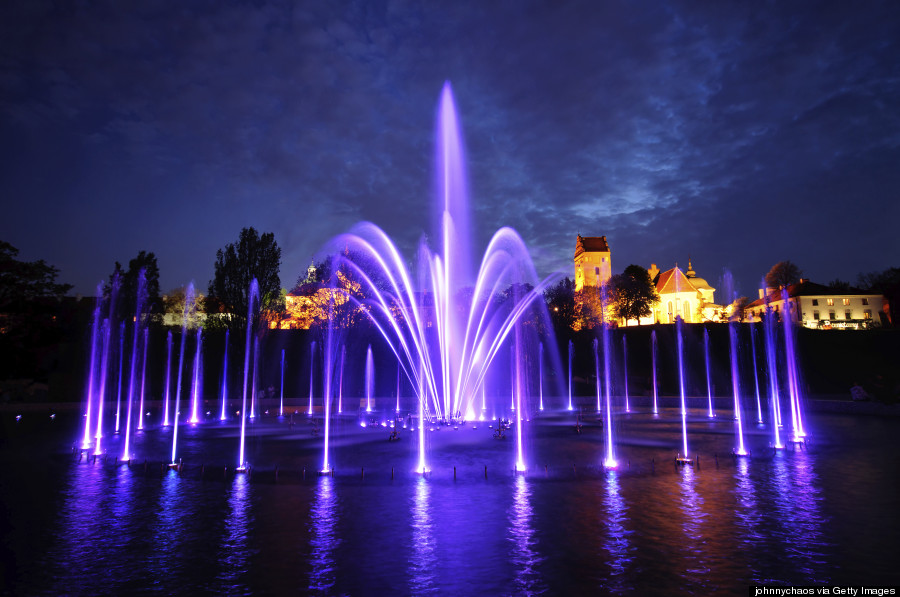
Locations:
{"points": [[823, 307], [593, 265]]}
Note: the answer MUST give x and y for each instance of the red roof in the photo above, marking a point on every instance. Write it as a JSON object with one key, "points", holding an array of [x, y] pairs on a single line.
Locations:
{"points": [[591, 244], [674, 280]]}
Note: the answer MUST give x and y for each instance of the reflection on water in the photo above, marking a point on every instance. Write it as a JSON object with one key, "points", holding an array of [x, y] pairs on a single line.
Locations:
{"points": [[324, 539], [692, 548], [422, 561], [234, 552], [616, 544], [748, 515], [797, 497], [525, 557]]}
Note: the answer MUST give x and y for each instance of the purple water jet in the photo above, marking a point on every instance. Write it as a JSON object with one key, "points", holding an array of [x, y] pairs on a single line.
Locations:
{"points": [[143, 378], [709, 392], [222, 415], [186, 314], [655, 384], [252, 299], [166, 395], [195, 379], [736, 389]]}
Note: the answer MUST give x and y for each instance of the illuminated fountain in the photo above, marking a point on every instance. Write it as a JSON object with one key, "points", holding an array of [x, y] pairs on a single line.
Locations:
{"points": [[252, 299], [445, 345], [185, 318], [683, 458], [222, 416], [709, 395], [165, 421], [195, 379], [370, 378], [571, 350], [139, 309], [759, 417], [653, 363], [739, 449]]}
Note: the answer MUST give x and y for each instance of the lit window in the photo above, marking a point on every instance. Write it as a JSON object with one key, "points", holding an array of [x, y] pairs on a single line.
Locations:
{"points": [[846, 301], [816, 315], [815, 302], [867, 314], [830, 302], [865, 301], [847, 315], [831, 315]]}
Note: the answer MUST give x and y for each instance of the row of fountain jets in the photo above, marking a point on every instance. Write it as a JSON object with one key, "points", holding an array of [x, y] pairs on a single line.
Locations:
{"points": [[134, 387]]}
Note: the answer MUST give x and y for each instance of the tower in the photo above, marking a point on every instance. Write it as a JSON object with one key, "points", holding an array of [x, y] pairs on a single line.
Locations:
{"points": [[593, 266]]}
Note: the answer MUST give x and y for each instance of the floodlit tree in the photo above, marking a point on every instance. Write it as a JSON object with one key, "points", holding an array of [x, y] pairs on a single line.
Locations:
{"points": [[783, 274], [632, 293], [253, 256], [739, 308]]}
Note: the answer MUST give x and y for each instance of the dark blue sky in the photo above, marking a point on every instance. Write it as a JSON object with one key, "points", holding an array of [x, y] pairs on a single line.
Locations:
{"points": [[738, 133]]}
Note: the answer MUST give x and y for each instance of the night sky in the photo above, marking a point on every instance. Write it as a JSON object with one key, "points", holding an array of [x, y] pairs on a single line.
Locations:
{"points": [[739, 134]]}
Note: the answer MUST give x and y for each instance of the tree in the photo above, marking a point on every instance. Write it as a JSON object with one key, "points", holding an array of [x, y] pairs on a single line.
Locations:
{"points": [[128, 285], [886, 282], [839, 284], [783, 274], [29, 304], [561, 304], [253, 256], [632, 293], [739, 308]]}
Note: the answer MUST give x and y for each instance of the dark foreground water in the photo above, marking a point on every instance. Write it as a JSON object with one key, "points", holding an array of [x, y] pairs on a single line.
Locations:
{"points": [[825, 516]]}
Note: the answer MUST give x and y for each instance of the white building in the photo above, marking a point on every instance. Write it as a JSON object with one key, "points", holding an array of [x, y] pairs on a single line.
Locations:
{"points": [[817, 306]]}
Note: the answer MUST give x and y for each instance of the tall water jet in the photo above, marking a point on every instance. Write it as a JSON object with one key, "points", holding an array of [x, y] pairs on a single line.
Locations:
{"points": [[252, 295], [121, 371], [709, 393], [735, 384], [222, 415], [196, 380], [92, 370], [625, 368], [255, 382], [541, 376], [398, 387], [186, 314], [312, 370], [136, 334], [595, 344], [370, 378], [281, 400], [143, 378], [166, 394], [680, 346], [571, 348], [793, 377], [759, 417], [520, 451], [104, 362], [327, 381], [422, 467], [655, 383], [459, 343], [341, 380], [772, 374], [610, 461]]}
